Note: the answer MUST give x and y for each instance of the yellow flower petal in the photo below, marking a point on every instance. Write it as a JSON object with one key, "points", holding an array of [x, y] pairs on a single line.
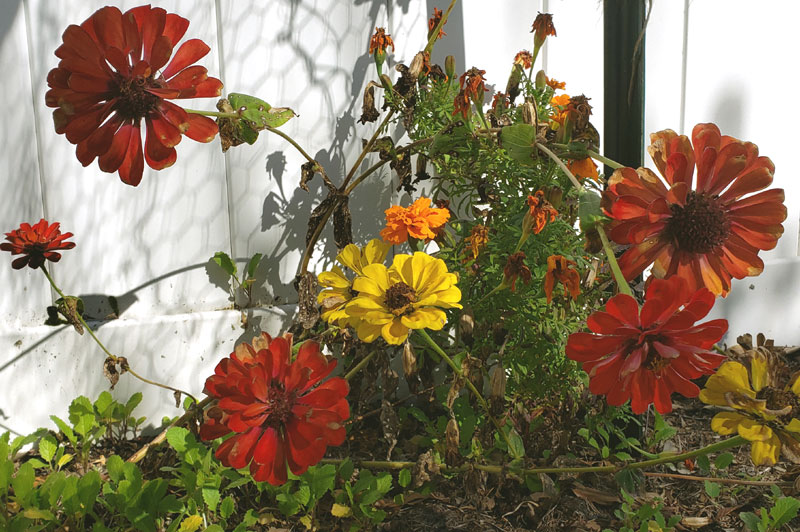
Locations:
{"points": [[730, 377], [425, 318], [350, 256], [375, 252], [334, 279], [796, 386], [793, 426], [726, 422], [759, 371], [394, 332], [766, 452], [753, 431], [367, 332]]}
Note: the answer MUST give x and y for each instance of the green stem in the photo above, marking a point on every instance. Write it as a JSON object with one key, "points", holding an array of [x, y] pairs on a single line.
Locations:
{"points": [[379, 164], [435, 33], [358, 367], [113, 357], [497, 469], [605, 160], [479, 108], [367, 148], [431, 342], [212, 113], [291, 141], [622, 284], [555, 158]]}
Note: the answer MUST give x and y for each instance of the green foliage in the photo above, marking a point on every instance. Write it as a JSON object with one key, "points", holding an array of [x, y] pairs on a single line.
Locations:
{"points": [[783, 510], [241, 288], [644, 517], [357, 499]]}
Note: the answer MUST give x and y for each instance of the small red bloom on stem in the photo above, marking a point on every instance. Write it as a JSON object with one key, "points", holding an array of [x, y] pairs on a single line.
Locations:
{"points": [[113, 74], [471, 82], [647, 354], [279, 411], [36, 243], [707, 232], [561, 270], [523, 59]]}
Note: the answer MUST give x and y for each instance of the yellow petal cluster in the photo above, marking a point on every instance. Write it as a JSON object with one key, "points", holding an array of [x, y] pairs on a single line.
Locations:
{"points": [[338, 288], [410, 294]]}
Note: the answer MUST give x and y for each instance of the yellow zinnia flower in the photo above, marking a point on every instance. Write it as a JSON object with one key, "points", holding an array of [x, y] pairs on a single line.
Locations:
{"points": [[408, 295], [338, 288], [763, 409]]}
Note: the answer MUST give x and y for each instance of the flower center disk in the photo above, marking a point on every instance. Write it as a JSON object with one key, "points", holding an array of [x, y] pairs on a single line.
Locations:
{"points": [[400, 297], [280, 406], [133, 101], [699, 226]]}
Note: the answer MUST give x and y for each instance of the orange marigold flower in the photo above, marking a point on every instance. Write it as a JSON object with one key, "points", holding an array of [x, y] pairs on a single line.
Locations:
{"points": [[419, 221], [515, 268], [560, 270], [434, 21], [540, 211], [380, 42], [583, 168], [471, 82], [555, 84], [524, 59], [115, 76], [707, 231], [542, 27], [462, 104], [36, 243], [559, 104], [477, 241]]}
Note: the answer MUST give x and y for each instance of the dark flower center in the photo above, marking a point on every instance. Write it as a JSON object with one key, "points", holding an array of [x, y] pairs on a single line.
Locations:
{"points": [[778, 400], [280, 405], [133, 101], [699, 226], [399, 298]]}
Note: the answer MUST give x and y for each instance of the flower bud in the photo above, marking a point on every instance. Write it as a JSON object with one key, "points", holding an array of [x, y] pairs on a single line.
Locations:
{"points": [[386, 81], [450, 67], [416, 65], [409, 360], [529, 113], [555, 195], [452, 440], [541, 80]]}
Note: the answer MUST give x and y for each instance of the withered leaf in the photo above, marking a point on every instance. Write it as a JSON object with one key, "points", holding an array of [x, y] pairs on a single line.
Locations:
{"points": [[233, 132], [402, 165], [452, 442], [318, 214], [308, 313], [177, 396], [383, 146], [425, 467], [342, 223], [368, 111], [110, 371], [307, 171], [72, 309], [391, 426]]}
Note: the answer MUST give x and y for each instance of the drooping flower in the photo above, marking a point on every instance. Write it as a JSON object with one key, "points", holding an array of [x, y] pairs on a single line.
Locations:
{"points": [[524, 59], [561, 270], [380, 42], [279, 411], [419, 221], [36, 243], [514, 269], [707, 232], [499, 102], [462, 104], [583, 168], [410, 294], [434, 21], [539, 213], [476, 241], [555, 84], [541, 29], [765, 403], [471, 82], [645, 354], [115, 72], [337, 287]]}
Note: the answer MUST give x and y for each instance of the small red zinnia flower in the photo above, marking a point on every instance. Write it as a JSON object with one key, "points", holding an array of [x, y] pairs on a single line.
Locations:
{"points": [[707, 232], [113, 74], [36, 243], [647, 354], [279, 411]]}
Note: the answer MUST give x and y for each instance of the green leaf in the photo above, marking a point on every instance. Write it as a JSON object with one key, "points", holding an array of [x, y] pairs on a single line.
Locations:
{"points": [[224, 261], [321, 479], [104, 404], [785, 510], [519, 141], [259, 113], [517, 446], [712, 488], [132, 403], [114, 466], [65, 430], [88, 489], [211, 498], [253, 264], [723, 460], [48, 447], [404, 478], [179, 439], [346, 469], [23, 481], [751, 520], [38, 513], [340, 510], [36, 463], [704, 463], [227, 507], [451, 139], [64, 460], [589, 210], [191, 523], [85, 424]]}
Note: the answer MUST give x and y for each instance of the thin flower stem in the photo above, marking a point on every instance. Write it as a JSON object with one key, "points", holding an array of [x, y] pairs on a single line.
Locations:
{"points": [[112, 356], [435, 33], [142, 452], [212, 113], [622, 284], [294, 143], [479, 108], [605, 160], [439, 351], [561, 165], [716, 479], [379, 164], [498, 469], [367, 148], [361, 364]]}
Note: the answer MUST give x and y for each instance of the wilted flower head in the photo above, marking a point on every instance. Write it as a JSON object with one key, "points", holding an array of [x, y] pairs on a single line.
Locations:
{"points": [[471, 83], [645, 354], [583, 168], [561, 270], [542, 28], [115, 72], [707, 232], [380, 42], [434, 21], [36, 243], [280, 412], [419, 221], [476, 241], [555, 84], [539, 213], [524, 59], [515, 268]]}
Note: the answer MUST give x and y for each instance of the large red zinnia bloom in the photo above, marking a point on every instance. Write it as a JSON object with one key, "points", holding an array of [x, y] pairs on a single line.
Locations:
{"points": [[110, 78], [36, 243], [646, 354], [707, 232], [272, 405]]}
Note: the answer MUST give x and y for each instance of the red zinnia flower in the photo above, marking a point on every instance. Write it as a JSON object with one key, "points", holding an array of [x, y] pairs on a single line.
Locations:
{"points": [[272, 406], [647, 354], [36, 243], [110, 78], [707, 233]]}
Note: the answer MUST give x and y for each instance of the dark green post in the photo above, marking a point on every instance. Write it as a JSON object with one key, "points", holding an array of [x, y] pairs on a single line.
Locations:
{"points": [[623, 84]]}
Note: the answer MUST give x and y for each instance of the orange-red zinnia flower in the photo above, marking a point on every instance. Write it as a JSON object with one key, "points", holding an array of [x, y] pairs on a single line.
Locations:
{"points": [[36, 243], [561, 270], [380, 42], [647, 354], [560, 112], [434, 21], [279, 411], [707, 232], [419, 220], [115, 71], [539, 213]]}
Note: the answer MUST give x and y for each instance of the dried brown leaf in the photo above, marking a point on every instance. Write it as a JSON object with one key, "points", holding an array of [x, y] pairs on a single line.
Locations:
{"points": [[308, 312], [342, 224], [391, 426], [368, 111]]}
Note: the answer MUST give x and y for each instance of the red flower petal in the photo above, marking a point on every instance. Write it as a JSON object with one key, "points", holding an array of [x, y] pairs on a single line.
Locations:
{"points": [[189, 53]]}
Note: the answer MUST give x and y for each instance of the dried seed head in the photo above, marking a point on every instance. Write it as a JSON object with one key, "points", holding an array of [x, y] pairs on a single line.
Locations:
{"points": [[409, 360], [497, 382]]}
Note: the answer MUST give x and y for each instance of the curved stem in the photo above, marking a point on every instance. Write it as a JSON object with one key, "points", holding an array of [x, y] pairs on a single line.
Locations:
{"points": [[367, 147], [435, 33], [439, 351], [555, 158], [358, 367], [622, 283], [112, 356], [379, 164], [142, 452], [605, 160], [291, 141], [212, 113]]}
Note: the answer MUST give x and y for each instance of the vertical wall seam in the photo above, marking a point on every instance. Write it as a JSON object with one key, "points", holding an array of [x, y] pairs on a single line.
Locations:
{"points": [[684, 63], [545, 47]]}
